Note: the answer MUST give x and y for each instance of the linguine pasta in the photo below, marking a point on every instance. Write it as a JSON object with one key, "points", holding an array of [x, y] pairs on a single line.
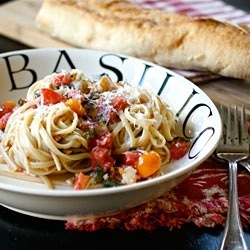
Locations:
{"points": [[69, 123]]}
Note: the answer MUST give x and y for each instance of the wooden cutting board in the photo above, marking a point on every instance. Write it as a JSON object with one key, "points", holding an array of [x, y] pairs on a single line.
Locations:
{"points": [[17, 21]]}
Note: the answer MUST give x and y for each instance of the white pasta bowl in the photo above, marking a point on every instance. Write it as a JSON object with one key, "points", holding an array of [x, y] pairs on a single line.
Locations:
{"points": [[196, 117]]}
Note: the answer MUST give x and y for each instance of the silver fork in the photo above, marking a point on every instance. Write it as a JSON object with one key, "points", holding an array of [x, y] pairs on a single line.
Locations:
{"points": [[233, 147]]}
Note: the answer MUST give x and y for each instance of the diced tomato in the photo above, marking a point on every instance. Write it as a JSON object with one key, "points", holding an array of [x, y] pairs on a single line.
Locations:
{"points": [[178, 148], [4, 119], [119, 103], [81, 181], [101, 157], [49, 96], [61, 79], [103, 140], [130, 157]]}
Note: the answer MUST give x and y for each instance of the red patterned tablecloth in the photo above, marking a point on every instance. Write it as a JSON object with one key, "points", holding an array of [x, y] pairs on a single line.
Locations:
{"points": [[200, 199], [212, 8]]}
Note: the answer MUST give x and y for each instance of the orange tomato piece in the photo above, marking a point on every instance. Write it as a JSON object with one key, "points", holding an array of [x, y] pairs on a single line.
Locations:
{"points": [[7, 107], [76, 106], [148, 164], [81, 181]]}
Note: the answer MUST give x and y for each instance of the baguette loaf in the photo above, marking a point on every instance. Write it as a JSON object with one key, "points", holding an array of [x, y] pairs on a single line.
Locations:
{"points": [[169, 39]]}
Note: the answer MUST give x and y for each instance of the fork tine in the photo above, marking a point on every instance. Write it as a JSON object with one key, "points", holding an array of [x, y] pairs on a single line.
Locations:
{"points": [[230, 130], [244, 130], [225, 113], [235, 134], [235, 131], [222, 111]]}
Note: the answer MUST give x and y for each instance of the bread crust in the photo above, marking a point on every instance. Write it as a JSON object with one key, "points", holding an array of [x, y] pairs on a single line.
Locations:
{"points": [[169, 39]]}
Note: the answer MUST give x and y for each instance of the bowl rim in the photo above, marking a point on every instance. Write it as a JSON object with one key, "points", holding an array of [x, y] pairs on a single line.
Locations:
{"points": [[125, 188]]}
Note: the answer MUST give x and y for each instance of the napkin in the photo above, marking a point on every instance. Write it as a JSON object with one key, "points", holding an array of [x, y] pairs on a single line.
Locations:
{"points": [[202, 198], [197, 8]]}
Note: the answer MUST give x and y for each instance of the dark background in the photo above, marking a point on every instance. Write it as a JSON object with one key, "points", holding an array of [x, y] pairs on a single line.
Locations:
{"points": [[243, 4]]}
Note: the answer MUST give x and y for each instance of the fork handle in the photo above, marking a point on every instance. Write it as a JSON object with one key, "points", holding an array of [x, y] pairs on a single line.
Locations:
{"points": [[233, 238]]}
